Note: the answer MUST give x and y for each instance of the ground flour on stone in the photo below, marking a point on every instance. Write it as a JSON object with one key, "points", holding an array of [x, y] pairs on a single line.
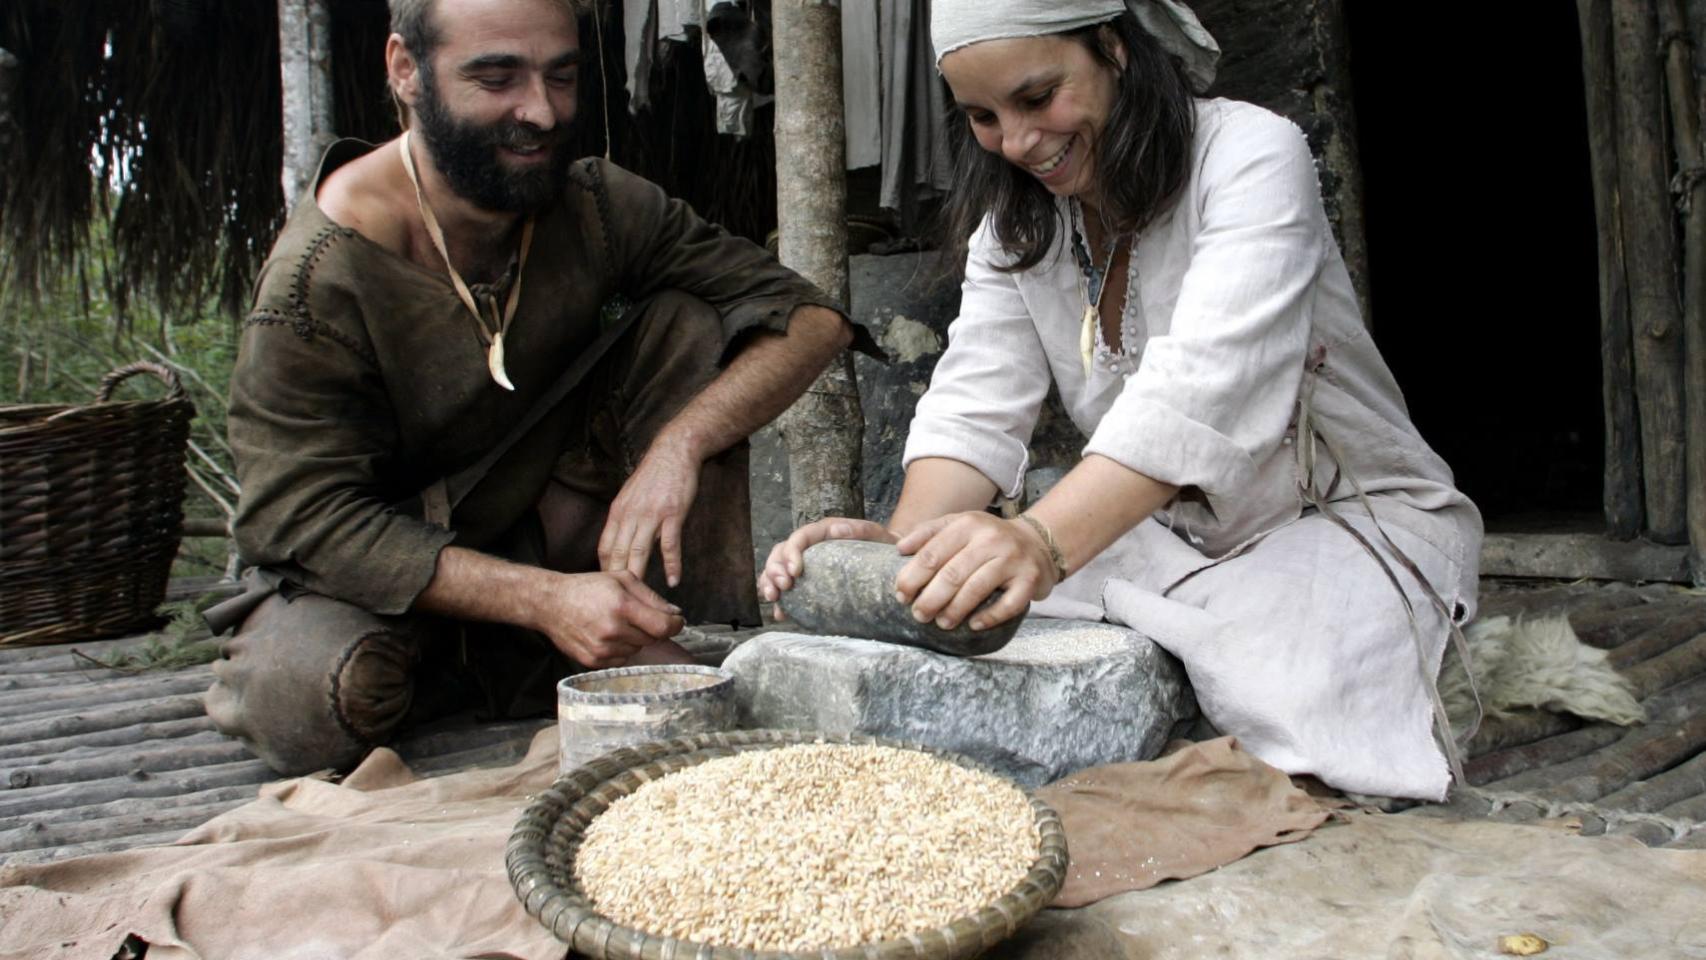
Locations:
{"points": [[1061, 646]]}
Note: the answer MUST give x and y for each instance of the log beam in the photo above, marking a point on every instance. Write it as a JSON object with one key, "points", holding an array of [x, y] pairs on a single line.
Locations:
{"points": [[1690, 189], [1570, 556], [1624, 509], [1650, 257]]}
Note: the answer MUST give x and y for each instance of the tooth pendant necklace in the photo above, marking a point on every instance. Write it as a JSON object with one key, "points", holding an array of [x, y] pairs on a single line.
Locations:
{"points": [[1092, 283], [491, 331]]}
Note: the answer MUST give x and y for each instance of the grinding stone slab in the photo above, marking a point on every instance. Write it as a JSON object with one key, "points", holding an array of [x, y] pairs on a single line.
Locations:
{"points": [[847, 589], [1033, 721]]}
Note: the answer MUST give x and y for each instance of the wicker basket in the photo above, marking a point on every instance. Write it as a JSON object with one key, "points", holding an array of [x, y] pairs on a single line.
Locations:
{"points": [[542, 851], [91, 511]]}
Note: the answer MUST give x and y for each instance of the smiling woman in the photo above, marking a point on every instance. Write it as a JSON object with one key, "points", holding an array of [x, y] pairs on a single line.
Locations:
{"points": [[1101, 104], [1252, 495]]}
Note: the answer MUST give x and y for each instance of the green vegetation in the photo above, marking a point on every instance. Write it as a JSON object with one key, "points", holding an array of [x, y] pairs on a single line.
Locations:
{"points": [[183, 642], [57, 347]]}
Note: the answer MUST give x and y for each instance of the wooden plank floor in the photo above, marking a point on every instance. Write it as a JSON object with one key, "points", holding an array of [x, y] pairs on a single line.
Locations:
{"points": [[1646, 782], [93, 759]]}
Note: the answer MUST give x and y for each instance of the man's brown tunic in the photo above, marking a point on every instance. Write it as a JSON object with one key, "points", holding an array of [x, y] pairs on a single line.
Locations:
{"points": [[361, 378]]}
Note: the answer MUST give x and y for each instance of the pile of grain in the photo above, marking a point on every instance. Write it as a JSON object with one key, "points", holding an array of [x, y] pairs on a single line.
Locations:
{"points": [[807, 847]]}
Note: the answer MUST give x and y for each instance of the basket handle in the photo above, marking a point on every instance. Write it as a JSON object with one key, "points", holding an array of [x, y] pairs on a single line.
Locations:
{"points": [[111, 381]]}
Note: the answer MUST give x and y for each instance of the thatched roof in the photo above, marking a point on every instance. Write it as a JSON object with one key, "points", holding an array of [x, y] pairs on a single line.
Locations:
{"points": [[163, 117]]}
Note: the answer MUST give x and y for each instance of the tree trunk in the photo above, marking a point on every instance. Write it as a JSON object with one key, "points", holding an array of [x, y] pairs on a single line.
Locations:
{"points": [[305, 69], [1623, 505], [1691, 183], [825, 428], [1650, 257]]}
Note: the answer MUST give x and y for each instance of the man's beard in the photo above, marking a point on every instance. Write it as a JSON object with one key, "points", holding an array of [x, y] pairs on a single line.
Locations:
{"points": [[467, 154]]}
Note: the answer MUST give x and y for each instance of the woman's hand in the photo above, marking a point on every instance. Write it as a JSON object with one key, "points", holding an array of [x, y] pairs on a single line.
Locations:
{"points": [[960, 559], [787, 559]]}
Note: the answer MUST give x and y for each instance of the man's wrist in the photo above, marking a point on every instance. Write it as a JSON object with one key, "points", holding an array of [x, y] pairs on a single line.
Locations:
{"points": [[522, 597], [683, 441]]}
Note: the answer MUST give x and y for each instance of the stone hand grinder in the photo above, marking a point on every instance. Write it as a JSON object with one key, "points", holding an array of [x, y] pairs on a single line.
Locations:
{"points": [[847, 589]]}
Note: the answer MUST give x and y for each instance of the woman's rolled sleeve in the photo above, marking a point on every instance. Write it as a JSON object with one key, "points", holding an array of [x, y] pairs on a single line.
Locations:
{"points": [[1213, 397], [987, 390], [1163, 444]]}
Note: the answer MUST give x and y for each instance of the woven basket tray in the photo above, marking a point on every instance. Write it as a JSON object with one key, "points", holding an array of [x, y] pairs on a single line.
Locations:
{"points": [[91, 511], [542, 851]]}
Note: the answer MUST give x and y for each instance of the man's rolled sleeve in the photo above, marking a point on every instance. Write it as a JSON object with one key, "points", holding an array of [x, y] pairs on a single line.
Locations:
{"points": [[659, 243], [988, 388], [311, 428], [1213, 397]]}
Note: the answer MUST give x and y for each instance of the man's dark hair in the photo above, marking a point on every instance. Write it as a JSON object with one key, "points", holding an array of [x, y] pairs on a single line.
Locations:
{"points": [[412, 20], [1141, 155]]}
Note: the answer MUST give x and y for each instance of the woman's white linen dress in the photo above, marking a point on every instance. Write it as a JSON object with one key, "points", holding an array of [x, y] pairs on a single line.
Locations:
{"points": [[1239, 317]]}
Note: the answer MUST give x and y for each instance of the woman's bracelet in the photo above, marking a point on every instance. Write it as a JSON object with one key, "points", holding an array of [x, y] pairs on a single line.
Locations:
{"points": [[1054, 554]]}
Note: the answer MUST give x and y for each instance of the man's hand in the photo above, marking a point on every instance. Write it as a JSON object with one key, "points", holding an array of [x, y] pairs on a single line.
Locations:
{"points": [[651, 507], [604, 619], [597, 619], [768, 373]]}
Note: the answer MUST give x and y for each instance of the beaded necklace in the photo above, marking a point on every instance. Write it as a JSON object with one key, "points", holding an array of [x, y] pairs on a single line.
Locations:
{"points": [[1092, 283]]}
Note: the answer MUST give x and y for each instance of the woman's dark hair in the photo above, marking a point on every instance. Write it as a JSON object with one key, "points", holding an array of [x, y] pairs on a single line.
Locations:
{"points": [[1141, 156]]}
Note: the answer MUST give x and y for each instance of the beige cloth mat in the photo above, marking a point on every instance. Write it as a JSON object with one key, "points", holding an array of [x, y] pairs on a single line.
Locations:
{"points": [[385, 865], [380, 866]]}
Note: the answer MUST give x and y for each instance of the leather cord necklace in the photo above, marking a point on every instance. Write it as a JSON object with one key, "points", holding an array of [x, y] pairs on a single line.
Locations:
{"points": [[491, 331]]}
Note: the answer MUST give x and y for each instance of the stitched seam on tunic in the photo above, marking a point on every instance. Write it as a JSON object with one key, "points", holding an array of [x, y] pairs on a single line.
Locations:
{"points": [[301, 318], [266, 318], [304, 270], [601, 199], [338, 715], [307, 329]]}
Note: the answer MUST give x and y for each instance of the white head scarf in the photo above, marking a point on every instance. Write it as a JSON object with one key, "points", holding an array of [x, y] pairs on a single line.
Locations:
{"points": [[958, 23]]}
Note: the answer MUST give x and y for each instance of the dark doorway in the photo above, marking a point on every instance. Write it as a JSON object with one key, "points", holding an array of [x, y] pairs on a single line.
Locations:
{"points": [[1482, 256]]}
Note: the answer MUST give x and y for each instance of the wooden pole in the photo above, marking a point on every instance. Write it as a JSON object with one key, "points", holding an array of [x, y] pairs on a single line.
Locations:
{"points": [[1639, 755], [102, 718], [1542, 753], [1680, 664], [1622, 478], [169, 783], [11, 753], [8, 89], [1691, 201], [305, 72], [825, 428], [1650, 257], [1679, 783], [1516, 729]]}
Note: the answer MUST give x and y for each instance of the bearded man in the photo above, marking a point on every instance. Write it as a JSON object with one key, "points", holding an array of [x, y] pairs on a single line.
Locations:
{"points": [[455, 464]]}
